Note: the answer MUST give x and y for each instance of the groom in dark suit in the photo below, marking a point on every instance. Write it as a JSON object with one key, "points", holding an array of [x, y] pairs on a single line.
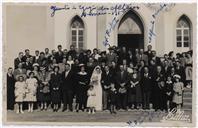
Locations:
{"points": [[121, 83], [67, 87], [106, 81]]}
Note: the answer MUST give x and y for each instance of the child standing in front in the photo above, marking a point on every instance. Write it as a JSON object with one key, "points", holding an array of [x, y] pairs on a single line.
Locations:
{"points": [[32, 84], [169, 92], [20, 88], [178, 88], [112, 97], [91, 100]]}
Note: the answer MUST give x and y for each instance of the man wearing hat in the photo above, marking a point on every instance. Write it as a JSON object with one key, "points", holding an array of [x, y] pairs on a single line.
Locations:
{"points": [[59, 54]]}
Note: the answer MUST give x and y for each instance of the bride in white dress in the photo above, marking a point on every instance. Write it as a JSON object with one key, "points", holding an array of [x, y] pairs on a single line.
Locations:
{"points": [[96, 82]]}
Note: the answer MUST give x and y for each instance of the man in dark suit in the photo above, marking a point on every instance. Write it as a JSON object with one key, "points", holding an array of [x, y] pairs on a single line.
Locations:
{"points": [[146, 84], [180, 71], [27, 55], [149, 52], [72, 52], [18, 60], [67, 87], [36, 57], [59, 55], [106, 81], [143, 56], [157, 89], [111, 56], [155, 58], [121, 83]]}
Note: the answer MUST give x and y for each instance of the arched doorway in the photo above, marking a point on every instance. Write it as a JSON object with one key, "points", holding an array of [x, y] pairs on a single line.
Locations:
{"points": [[131, 31]]}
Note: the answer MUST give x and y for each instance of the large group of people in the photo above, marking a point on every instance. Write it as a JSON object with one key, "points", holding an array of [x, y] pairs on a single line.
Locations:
{"points": [[85, 80]]}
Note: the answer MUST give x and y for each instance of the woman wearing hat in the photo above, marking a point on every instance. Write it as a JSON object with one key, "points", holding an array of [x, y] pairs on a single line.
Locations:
{"points": [[55, 83], [36, 71], [178, 88], [82, 87], [44, 88]]}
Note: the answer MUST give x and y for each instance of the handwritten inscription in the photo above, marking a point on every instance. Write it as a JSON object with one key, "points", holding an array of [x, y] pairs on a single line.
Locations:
{"points": [[94, 10], [55, 8], [109, 30], [162, 7]]}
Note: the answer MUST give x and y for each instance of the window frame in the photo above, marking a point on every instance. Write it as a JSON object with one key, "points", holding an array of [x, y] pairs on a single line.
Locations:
{"points": [[77, 30], [182, 35]]}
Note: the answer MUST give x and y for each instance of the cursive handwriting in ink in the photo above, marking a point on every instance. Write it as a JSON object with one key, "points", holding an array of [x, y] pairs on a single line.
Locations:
{"points": [[111, 27], [151, 33], [54, 9], [94, 10], [121, 8]]}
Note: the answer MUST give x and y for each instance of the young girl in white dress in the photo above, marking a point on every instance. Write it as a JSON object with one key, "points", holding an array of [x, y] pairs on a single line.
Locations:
{"points": [[31, 91], [178, 88], [20, 88], [91, 101]]}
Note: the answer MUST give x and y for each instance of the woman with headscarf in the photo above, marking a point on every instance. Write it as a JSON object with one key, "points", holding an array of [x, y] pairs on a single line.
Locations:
{"points": [[96, 82]]}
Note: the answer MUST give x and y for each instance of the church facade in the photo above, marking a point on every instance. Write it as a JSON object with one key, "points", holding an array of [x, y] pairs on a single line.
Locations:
{"points": [[167, 27], [172, 29]]}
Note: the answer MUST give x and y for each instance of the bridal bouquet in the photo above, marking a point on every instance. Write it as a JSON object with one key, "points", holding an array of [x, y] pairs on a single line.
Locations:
{"points": [[94, 79]]}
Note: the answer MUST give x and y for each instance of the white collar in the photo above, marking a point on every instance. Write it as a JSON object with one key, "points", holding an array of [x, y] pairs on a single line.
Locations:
{"points": [[82, 73]]}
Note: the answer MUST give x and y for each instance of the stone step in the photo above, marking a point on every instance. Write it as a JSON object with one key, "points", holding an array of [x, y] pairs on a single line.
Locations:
{"points": [[187, 105], [187, 94], [187, 100]]}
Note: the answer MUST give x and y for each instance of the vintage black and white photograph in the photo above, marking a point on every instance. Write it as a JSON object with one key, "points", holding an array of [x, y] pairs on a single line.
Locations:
{"points": [[115, 64]]}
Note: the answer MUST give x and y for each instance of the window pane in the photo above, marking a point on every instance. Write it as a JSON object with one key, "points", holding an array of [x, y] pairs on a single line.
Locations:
{"points": [[178, 32], [73, 38], [179, 38], [186, 32], [186, 44], [80, 32], [80, 44], [73, 32], [80, 38], [179, 44], [186, 38]]}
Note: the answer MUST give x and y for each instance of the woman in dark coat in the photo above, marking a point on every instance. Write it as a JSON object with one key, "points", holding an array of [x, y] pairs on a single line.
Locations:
{"points": [[10, 89], [55, 83], [82, 79], [44, 88]]}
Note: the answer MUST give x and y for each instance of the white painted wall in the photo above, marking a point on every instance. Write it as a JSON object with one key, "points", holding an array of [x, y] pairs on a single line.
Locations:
{"points": [[25, 26]]}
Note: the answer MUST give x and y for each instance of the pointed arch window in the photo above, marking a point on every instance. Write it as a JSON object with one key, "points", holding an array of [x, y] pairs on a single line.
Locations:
{"points": [[183, 32], [77, 32]]}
